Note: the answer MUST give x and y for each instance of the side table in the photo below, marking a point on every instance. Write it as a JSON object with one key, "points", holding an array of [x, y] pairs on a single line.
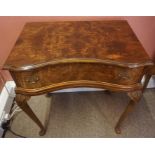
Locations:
{"points": [[49, 56]]}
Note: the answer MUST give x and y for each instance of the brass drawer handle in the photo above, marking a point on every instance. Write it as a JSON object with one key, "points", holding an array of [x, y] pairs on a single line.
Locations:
{"points": [[123, 76], [32, 79]]}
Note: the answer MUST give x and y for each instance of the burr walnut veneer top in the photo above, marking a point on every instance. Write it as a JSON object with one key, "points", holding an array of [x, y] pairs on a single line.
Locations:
{"points": [[45, 43]]}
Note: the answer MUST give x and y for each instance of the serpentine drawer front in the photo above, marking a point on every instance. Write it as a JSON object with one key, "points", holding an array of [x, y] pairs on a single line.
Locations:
{"points": [[49, 56], [76, 72]]}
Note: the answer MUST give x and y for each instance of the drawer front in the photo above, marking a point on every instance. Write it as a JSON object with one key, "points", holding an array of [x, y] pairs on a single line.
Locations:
{"points": [[48, 75]]}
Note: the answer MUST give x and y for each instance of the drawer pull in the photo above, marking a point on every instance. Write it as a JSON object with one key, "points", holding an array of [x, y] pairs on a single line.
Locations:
{"points": [[123, 76], [32, 79]]}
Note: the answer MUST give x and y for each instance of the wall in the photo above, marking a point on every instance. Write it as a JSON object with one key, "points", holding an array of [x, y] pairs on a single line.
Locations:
{"points": [[144, 27], [10, 28]]}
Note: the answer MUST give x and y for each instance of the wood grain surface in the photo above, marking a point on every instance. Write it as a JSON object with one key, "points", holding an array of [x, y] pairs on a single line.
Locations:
{"points": [[59, 73], [42, 43]]}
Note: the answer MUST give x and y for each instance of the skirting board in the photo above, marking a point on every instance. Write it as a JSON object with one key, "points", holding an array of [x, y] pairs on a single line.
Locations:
{"points": [[151, 83], [6, 99]]}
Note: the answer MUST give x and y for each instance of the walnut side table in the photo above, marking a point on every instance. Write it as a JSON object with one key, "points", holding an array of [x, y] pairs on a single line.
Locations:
{"points": [[49, 56]]}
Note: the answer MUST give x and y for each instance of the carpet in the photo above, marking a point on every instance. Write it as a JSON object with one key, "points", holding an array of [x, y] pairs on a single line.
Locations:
{"points": [[88, 115]]}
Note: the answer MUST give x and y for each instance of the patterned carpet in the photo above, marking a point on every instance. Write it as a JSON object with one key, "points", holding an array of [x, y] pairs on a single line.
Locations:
{"points": [[88, 114]]}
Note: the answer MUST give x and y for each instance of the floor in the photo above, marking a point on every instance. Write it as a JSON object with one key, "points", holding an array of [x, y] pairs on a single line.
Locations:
{"points": [[88, 114]]}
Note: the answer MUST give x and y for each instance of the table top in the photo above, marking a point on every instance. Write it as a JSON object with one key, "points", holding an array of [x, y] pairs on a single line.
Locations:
{"points": [[44, 43]]}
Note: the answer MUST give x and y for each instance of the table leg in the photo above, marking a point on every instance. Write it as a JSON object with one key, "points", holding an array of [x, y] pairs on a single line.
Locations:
{"points": [[147, 79], [135, 97], [22, 103]]}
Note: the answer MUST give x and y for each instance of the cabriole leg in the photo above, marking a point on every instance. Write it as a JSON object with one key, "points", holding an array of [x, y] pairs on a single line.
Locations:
{"points": [[22, 103], [135, 97], [147, 79]]}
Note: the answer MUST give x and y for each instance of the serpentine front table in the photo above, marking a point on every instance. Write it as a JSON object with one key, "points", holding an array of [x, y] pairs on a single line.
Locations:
{"points": [[50, 56]]}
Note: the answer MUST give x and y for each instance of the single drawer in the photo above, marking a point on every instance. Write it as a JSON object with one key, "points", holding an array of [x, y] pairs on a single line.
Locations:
{"points": [[58, 73]]}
